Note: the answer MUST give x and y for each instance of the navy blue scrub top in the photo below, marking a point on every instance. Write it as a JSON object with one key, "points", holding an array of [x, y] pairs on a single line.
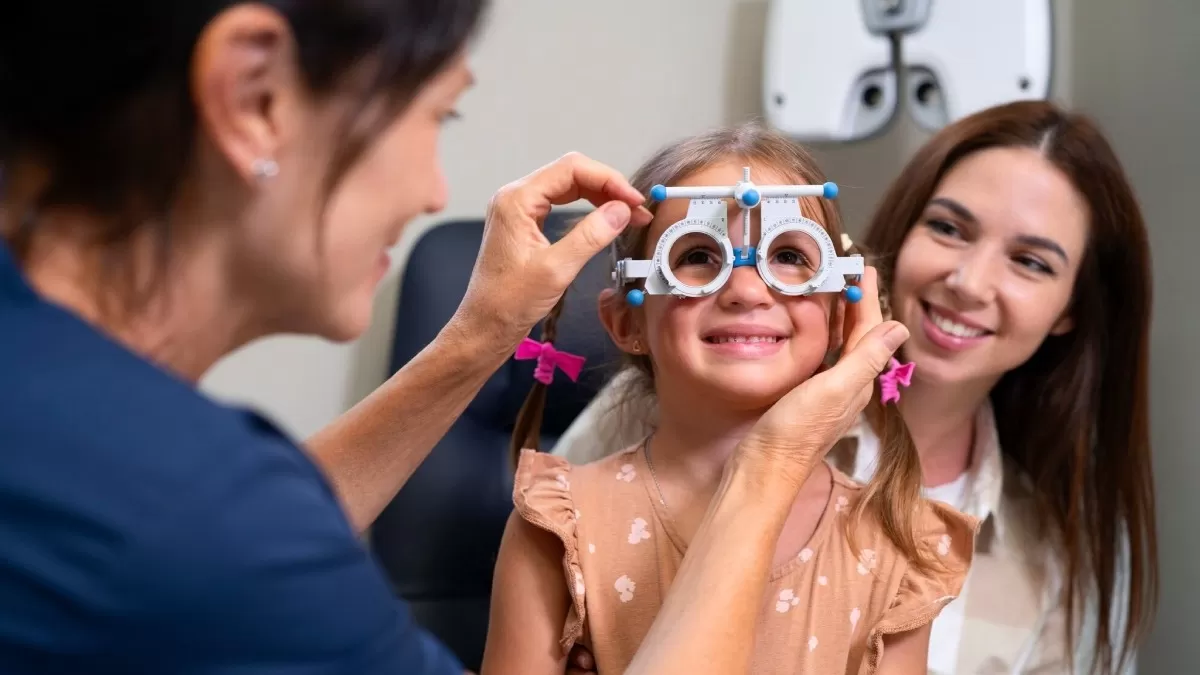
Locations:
{"points": [[146, 529]]}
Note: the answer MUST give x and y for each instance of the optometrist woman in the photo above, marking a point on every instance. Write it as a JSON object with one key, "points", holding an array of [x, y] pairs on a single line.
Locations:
{"points": [[184, 177]]}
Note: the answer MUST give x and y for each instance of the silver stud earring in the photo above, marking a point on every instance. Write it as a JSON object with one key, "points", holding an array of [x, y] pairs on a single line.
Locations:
{"points": [[265, 168]]}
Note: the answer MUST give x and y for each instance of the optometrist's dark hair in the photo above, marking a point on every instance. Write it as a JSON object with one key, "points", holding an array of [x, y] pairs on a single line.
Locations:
{"points": [[98, 93]]}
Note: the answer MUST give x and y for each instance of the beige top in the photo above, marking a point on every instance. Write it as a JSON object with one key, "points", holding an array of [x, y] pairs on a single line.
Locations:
{"points": [[827, 608]]}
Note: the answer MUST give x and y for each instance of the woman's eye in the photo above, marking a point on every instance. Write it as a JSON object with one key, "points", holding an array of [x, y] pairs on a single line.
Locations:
{"points": [[1034, 265], [942, 227]]}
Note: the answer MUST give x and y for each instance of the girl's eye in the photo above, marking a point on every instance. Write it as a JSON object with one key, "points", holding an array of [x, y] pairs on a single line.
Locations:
{"points": [[791, 257], [696, 256]]}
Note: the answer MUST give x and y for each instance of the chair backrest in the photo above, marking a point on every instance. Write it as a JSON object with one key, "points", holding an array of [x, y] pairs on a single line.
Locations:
{"points": [[439, 537]]}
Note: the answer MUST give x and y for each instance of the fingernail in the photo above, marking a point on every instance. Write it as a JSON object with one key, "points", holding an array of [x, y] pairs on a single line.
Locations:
{"points": [[895, 336], [617, 214]]}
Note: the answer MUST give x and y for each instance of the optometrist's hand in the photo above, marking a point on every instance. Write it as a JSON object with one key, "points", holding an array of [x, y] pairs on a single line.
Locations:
{"points": [[519, 275], [801, 427]]}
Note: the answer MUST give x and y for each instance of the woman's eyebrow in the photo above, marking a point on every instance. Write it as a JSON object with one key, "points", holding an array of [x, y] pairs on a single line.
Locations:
{"points": [[1034, 241], [958, 209], [1031, 240]]}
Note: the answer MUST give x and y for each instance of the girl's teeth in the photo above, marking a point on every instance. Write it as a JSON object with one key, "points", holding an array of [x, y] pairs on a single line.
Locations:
{"points": [[739, 338], [953, 328]]}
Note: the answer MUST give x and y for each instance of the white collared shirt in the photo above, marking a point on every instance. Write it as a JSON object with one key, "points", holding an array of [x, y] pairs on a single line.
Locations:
{"points": [[1008, 617]]}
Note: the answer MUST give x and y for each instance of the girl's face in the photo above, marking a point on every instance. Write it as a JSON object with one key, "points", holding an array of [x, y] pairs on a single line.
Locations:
{"points": [[744, 346], [987, 272]]}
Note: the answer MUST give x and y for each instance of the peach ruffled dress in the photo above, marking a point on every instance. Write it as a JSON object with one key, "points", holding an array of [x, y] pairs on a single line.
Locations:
{"points": [[826, 609]]}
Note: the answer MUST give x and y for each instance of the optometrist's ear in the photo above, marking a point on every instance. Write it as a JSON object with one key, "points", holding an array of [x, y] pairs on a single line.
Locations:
{"points": [[246, 85]]}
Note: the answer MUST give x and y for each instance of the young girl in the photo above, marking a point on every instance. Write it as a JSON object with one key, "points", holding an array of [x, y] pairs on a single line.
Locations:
{"points": [[859, 572]]}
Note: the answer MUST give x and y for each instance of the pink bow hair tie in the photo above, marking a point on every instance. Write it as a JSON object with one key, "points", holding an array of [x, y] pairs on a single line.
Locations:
{"points": [[895, 377], [548, 359]]}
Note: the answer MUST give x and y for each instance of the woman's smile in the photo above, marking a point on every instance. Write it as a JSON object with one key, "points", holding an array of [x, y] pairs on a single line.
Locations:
{"points": [[949, 330]]}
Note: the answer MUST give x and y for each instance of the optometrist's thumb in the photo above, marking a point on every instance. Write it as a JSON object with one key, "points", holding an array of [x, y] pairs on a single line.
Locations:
{"points": [[790, 438], [590, 236], [855, 372]]}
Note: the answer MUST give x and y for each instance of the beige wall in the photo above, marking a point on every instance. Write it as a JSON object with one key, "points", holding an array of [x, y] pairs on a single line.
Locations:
{"points": [[558, 76], [1139, 75]]}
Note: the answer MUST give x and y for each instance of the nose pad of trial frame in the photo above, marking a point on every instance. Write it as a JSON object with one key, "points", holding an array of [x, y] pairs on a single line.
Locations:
{"points": [[745, 257]]}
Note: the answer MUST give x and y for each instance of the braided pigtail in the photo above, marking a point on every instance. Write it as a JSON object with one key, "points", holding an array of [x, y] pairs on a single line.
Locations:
{"points": [[527, 432], [894, 491]]}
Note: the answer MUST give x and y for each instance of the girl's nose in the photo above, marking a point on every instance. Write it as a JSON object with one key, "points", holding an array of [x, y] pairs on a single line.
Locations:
{"points": [[745, 289]]}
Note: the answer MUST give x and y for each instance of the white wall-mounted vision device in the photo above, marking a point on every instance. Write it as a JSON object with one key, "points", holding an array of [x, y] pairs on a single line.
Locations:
{"points": [[840, 70], [827, 78]]}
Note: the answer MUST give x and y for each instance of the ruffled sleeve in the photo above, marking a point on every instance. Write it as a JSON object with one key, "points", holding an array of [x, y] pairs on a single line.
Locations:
{"points": [[947, 541], [542, 496]]}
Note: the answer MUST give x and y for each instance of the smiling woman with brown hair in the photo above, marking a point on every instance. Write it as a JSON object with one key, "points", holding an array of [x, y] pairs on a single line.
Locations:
{"points": [[1023, 267], [1013, 249]]}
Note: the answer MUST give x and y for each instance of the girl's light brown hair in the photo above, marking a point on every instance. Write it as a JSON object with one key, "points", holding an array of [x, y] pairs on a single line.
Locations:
{"points": [[895, 490], [1074, 417]]}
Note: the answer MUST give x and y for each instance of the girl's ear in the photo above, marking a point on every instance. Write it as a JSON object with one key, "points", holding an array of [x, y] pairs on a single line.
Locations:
{"points": [[623, 323], [837, 322]]}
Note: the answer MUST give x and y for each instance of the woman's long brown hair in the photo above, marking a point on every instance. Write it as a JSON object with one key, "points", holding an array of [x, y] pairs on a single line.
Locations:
{"points": [[896, 487], [1074, 417]]}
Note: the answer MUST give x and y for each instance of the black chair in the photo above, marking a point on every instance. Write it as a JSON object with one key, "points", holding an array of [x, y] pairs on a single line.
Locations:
{"points": [[439, 538]]}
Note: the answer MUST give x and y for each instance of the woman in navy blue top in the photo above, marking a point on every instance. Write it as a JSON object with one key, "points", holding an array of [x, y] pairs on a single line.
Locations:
{"points": [[181, 178]]}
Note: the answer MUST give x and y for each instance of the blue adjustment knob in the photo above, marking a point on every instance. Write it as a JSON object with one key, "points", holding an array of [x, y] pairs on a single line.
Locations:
{"points": [[636, 297], [831, 190], [750, 198], [853, 294], [658, 193]]}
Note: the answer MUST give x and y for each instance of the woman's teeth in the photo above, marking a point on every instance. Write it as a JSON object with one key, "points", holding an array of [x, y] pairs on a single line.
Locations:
{"points": [[954, 328], [743, 338]]}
